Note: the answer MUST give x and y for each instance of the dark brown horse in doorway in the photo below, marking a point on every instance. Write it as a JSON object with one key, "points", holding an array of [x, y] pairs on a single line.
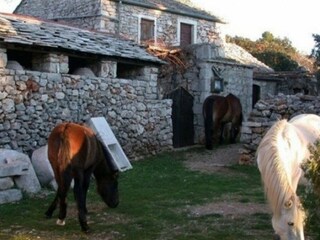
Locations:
{"points": [[75, 153], [217, 112]]}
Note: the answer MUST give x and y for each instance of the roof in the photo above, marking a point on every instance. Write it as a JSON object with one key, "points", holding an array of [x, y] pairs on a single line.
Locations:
{"points": [[240, 55], [181, 7], [22, 30]]}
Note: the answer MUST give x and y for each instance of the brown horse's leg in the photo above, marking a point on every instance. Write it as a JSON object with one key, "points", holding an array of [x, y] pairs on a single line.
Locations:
{"points": [[62, 195], [86, 183], [52, 207], [221, 129], [233, 134], [79, 191]]}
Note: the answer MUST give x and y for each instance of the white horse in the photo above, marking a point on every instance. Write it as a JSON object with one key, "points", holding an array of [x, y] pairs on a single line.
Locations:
{"points": [[279, 156]]}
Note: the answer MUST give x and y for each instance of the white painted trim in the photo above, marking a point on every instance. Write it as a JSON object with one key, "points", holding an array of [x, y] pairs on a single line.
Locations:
{"points": [[194, 29], [154, 19]]}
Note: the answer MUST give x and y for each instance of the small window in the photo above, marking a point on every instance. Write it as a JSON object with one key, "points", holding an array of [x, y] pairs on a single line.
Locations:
{"points": [[21, 58], [147, 30], [129, 71], [187, 32]]}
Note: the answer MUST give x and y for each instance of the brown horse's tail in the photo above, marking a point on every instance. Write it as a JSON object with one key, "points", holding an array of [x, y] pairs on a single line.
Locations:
{"points": [[60, 159], [208, 122]]}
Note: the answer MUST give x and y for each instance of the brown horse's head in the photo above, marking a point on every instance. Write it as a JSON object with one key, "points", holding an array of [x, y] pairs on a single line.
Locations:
{"points": [[107, 180], [108, 190]]}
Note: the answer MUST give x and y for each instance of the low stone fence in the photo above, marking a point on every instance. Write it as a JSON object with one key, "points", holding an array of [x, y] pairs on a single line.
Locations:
{"points": [[266, 112], [17, 176], [32, 103]]}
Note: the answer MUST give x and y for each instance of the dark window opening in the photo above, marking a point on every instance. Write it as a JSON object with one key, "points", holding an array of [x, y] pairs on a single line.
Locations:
{"points": [[129, 71], [297, 90], [185, 34], [147, 31], [23, 58], [82, 66]]}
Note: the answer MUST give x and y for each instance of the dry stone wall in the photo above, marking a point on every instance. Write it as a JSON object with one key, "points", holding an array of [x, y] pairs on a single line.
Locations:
{"points": [[32, 103], [266, 112]]}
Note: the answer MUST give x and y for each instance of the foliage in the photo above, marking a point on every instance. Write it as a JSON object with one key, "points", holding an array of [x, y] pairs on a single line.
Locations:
{"points": [[316, 54], [278, 53], [277, 60], [311, 196], [316, 49], [155, 201]]}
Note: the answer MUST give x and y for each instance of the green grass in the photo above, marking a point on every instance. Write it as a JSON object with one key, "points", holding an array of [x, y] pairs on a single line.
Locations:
{"points": [[155, 201]]}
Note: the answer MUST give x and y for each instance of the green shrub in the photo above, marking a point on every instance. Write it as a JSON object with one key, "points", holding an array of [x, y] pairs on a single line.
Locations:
{"points": [[311, 195]]}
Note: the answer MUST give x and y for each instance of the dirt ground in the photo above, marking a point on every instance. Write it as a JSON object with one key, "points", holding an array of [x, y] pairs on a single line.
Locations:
{"points": [[216, 161]]}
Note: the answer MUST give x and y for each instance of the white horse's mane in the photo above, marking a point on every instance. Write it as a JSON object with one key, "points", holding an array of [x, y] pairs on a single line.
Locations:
{"points": [[275, 175]]}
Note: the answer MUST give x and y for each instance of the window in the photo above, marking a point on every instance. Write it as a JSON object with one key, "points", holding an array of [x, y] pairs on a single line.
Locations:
{"points": [[147, 30], [187, 32]]}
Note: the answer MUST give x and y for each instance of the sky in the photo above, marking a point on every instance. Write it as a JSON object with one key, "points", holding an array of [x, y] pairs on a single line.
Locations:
{"points": [[294, 19]]}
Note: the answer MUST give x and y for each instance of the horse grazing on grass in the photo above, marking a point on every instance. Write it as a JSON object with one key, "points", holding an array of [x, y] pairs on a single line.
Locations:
{"points": [[217, 112], [75, 153], [279, 156]]}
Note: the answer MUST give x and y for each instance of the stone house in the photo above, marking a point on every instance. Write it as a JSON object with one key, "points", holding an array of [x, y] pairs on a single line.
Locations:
{"points": [[217, 67], [173, 22], [52, 72]]}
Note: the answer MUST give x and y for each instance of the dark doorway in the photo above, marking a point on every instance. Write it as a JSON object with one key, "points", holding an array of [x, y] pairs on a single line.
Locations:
{"points": [[255, 94], [182, 117]]}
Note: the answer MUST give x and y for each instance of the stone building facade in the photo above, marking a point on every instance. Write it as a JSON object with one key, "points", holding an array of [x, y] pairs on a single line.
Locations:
{"points": [[162, 21], [43, 91], [213, 69]]}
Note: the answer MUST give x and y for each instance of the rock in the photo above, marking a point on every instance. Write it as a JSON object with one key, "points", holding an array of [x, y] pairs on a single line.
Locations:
{"points": [[28, 182], [6, 183], [84, 72], [10, 167], [42, 166], [14, 65], [11, 195]]}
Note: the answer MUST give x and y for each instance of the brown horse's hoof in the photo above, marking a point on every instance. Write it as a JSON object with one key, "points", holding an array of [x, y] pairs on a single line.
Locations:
{"points": [[86, 230], [209, 147]]}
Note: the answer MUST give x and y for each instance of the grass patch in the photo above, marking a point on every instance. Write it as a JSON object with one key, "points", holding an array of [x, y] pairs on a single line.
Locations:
{"points": [[154, 200]]}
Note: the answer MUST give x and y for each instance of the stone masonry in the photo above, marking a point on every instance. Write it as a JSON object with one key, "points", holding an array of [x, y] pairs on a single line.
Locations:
{"points": [[33, 102], [266, 112]]}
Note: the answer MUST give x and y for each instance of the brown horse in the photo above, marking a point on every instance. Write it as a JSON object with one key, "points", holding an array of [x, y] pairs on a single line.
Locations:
{"points": [[217, 111], [75, 153]]}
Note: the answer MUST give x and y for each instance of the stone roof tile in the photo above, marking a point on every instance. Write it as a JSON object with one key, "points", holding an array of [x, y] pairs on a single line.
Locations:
{"points": [[34, 32]]}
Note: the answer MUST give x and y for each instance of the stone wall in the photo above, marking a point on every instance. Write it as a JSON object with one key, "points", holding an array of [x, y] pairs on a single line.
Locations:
{"points": [[266, 112], [32, 103]]}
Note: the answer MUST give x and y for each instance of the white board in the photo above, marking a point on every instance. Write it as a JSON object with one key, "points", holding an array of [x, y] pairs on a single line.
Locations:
{"points": [[104, 133]]}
